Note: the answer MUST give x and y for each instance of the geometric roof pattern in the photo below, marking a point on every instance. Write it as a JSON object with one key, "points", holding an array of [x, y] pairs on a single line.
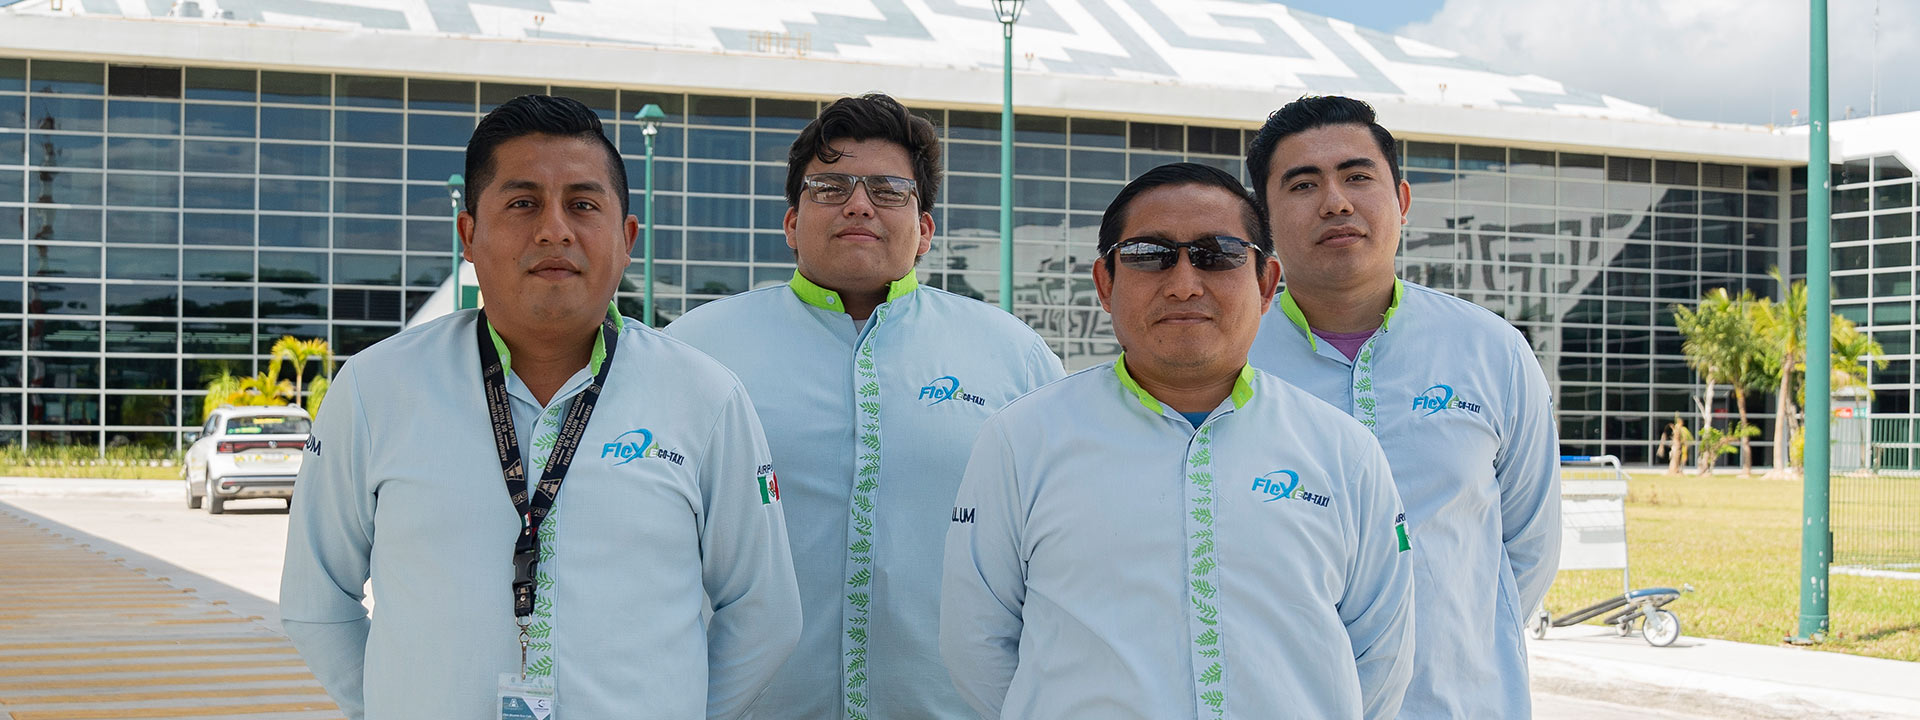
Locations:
{"points": [[1241, 44]]}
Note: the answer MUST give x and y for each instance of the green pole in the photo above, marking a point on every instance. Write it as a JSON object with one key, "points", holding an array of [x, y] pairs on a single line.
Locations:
{"points": [[1006, 173], [1816, 536], [650, 117], [647, 306], [455, 186]]}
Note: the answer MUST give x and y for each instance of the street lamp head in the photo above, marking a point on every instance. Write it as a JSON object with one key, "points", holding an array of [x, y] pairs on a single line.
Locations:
{"points": [[455, 187], [1008, 11], [650, 116]]}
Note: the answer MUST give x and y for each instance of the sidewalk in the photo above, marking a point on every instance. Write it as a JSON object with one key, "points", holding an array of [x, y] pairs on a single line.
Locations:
{"points": [[1717, 678], [95, 631]]}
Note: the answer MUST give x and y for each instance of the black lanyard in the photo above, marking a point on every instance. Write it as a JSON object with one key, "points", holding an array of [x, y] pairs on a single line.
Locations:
{"points": [[533, 507]]}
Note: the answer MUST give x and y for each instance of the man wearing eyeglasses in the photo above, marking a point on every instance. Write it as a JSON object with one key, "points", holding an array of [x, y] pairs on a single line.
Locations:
{"points": [[1176, 534], [871, 388], [1453, 392]]}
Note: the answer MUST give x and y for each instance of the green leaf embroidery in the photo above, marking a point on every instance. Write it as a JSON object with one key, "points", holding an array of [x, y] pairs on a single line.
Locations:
{"points": [[865, 502], [543, 605], [1214, 698], [860, 578], [1203, 566], [859, 600], [539, 646], [1204, 589], [1203, 516], [1211, 675], [863, 525], [856, 680], [871, 441], [870, 389], [1203, 547], [861, 546], [866, 485], [541, 667], [1202, 457], [1210, 637], [539, 630], [858, 635]]}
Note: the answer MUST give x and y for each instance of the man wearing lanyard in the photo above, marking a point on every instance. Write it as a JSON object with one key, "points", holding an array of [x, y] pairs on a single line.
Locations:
{"points": [[871, 388], [1453, 392], [547, 497], [1175, 534]]}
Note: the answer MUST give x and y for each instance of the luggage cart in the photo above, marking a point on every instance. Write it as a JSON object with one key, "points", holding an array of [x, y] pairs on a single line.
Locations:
{"points": [[1593, 526]]}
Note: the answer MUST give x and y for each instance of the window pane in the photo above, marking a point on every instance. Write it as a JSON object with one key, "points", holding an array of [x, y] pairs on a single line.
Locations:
{"points": [[295, 124], [135, 227], [438, 165], [148, 118], [303, 88], [358, 269], [366, 234], [214, 338], [63, 224], [219, 157], [295, 195], [126, 263], [445, 130], [128, 153], [368, 127], [367, 91], [73, 151], [440, 95], [293, 267], [220, 120], [64, 261], [216, 301], [278, 159], [55, 113], [68, 188], [218, 193], [368, 198], [64, 298], [65, 335], [363, 162], [220, 84], [302, 303], [162, 301], [143, 190], [72, 78], [230, 265]]}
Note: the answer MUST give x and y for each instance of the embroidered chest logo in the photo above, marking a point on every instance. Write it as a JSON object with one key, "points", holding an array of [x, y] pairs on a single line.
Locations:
{"points": [[636, 444], [948, 388], [1441, 397], [1285, 485]]}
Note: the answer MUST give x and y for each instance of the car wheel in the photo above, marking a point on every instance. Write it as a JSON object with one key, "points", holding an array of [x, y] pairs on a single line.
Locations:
{"points": [[215, 504], [193, 501]]}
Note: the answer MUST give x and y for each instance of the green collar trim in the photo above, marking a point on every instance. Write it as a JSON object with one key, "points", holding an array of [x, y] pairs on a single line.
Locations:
{"points": [[599, 342], [829, 300], [1242, 387], [1292, 310]]}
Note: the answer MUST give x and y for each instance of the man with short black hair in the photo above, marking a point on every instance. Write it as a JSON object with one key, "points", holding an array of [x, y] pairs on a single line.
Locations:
{"points": [[871, 388], [1175, 534], [1453, 392], [583, 588]]}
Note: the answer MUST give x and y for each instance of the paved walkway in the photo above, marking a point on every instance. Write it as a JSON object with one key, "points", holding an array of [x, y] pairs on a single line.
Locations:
{"points": [[85, 634]]}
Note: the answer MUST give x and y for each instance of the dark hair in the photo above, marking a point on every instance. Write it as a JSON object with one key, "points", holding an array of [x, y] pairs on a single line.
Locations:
{"points": [[1305, 114], [536, 115], [873, 116], [1184, 173]]}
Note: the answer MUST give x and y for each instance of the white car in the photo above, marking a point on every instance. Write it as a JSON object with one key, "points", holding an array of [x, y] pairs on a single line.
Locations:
{"points": [[246, 452]]}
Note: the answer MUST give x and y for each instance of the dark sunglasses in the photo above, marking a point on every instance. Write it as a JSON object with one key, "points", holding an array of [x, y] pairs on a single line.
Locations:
{"points": [[1210, 254], [837, 188]]}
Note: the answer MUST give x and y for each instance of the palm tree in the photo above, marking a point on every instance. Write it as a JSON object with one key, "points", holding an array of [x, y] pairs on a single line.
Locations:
{"points": [[1785, 333], [299, 352], [1712, 333], [1752, 370]]}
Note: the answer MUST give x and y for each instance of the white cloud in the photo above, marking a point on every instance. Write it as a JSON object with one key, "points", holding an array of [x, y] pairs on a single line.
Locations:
{"points": [[1726, 60]]}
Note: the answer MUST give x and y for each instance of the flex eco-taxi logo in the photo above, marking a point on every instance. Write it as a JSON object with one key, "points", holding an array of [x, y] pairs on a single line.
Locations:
{"points": [[1285, 485], [947, 388], [1441, 397], [635, 444]]}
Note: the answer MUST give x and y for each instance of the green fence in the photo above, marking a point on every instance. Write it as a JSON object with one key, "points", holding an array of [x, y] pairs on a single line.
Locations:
{"points": [[1876, 493]]}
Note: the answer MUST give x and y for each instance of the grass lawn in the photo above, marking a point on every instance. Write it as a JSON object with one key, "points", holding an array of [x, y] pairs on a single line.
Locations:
{"points": [[102, 471], [1738, 543]]}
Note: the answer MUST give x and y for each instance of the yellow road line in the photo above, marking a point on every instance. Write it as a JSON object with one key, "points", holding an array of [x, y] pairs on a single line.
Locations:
{"points": [[148, 667], [44, 685], [173, 712], [165, 695]]}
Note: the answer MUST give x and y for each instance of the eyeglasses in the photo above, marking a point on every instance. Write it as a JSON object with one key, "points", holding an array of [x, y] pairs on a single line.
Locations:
{"points": [[837, 188], [1211, 254]]}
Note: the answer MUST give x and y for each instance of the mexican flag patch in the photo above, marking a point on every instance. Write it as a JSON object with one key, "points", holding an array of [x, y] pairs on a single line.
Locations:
{"points": [[769, 488]]}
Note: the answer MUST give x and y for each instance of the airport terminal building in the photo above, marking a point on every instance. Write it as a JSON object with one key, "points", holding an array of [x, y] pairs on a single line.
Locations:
{"points": [[183, 183]]}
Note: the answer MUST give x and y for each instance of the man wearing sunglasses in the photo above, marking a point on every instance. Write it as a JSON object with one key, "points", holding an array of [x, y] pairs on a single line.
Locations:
{"points": [[871, 389], [1453, 392], [1175, 534]]}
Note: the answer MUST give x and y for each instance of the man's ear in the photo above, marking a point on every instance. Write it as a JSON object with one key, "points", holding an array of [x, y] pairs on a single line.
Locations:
{"points": [[1269, 282], [1103, 284], [464, 225]]}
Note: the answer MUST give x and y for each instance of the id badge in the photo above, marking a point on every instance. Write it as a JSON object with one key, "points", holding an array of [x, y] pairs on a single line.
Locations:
{"points": [[525, 698]]}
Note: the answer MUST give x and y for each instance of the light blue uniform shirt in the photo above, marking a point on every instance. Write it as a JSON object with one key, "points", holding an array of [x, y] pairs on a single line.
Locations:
{"points": [[1461, 408], [870, 429], [662, 509], [1109, 560]]}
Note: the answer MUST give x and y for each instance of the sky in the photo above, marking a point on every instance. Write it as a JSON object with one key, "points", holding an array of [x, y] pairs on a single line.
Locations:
{"points": [[1738, 61]]}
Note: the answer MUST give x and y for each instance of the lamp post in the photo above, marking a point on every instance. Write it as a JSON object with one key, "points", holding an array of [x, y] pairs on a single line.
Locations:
{"points": [[649, 117], [1008, 11], [456, 187]]}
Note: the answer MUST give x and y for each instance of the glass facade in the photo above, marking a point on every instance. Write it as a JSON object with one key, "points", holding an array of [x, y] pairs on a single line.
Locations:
{"points": [[1873, 235], [158, 225]]}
